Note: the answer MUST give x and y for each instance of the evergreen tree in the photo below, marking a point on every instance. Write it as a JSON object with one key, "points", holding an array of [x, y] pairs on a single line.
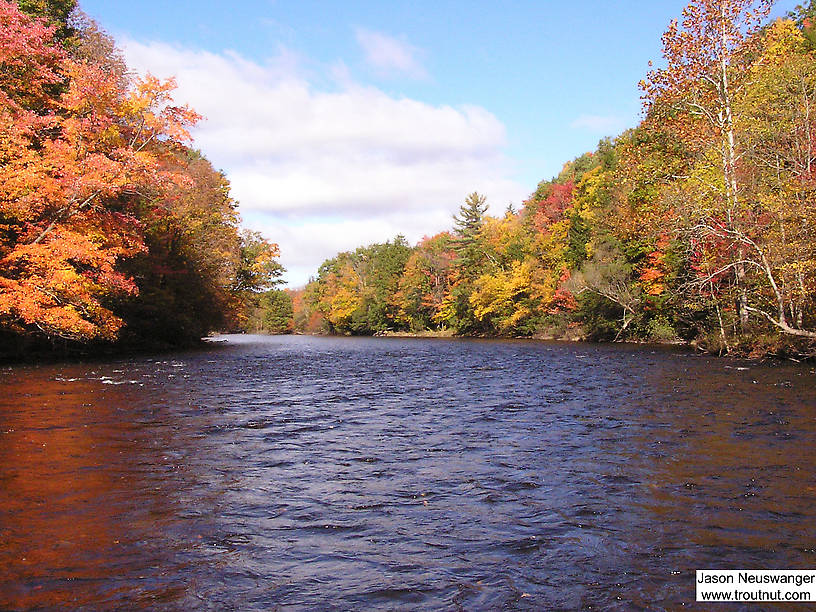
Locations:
{"points": [[467, 226]]}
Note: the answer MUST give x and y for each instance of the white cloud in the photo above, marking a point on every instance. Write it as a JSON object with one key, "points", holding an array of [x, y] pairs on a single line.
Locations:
{"points": [[608, 125], [389, 55], [325, 170]]}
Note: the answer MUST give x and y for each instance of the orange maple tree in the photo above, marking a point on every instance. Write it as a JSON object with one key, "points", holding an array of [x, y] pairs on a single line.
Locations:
{"points": [[78, 152]]}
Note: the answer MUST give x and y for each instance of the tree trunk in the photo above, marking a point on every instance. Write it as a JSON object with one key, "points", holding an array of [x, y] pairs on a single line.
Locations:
{"points": [[730, 174]]}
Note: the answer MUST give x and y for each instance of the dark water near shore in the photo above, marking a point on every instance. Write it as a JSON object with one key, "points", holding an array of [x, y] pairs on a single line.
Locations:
{"points": [[350, 474]]}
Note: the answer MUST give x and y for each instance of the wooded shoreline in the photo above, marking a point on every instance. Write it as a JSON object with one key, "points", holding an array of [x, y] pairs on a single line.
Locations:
{"points": [[696, 226]]}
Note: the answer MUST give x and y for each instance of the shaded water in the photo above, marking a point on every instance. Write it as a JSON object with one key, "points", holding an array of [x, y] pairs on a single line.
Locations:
{"points": [[340, 474]]}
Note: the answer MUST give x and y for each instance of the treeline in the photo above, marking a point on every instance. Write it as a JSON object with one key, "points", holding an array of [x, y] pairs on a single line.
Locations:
{"points": [[112, 228], [697, 225]]}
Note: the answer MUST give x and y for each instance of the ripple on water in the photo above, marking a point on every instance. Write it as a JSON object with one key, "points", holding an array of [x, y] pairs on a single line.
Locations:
{"points": [[345, 474]]}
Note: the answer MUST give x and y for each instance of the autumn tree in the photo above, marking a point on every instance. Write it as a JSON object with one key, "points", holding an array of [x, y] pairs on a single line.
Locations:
{"points": [[107, 217], [258, 267], [186, 276], [505, 296], [779, 126], [424, 283], [256, 271], [355, 290], [74, 169], [708, 57], [62, 184], [55, 12]]}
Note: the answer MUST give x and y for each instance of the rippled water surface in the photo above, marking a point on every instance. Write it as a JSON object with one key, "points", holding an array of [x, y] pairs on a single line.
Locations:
{"points": [[350, 474]]}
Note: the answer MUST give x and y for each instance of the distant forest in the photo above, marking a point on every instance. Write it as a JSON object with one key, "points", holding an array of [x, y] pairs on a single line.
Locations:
{"points": [[698, 225]]}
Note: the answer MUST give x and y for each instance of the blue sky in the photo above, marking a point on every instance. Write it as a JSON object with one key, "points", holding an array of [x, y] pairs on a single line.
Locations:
{"points": [[345, 123]]}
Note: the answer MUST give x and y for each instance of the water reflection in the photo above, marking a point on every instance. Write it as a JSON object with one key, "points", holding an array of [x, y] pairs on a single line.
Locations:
{"points": [[90, 496], [357, 473]]}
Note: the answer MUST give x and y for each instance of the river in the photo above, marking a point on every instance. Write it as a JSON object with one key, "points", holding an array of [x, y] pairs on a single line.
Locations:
{"points": [[379, 474]]}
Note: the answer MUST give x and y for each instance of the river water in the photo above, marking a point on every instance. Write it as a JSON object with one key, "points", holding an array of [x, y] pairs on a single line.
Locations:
{"points": [[390, 474]]}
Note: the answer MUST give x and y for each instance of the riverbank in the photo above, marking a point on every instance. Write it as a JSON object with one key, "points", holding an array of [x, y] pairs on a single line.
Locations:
{"points": [[16, 350], [761, 349], [443, 333], [27, 350]]}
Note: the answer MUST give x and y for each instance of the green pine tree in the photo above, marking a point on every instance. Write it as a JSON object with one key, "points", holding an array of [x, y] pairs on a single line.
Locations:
{"points": [[467, 226]]}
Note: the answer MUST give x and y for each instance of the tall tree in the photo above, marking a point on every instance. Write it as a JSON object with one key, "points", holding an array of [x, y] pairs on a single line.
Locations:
{"points": [[778, 110], [467, 225], [258, 267], [78, 162], [708, 60]]}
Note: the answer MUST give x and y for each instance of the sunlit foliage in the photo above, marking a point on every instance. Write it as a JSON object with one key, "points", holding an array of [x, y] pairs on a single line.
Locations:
{"points": [[696, 225], [108, 220]]}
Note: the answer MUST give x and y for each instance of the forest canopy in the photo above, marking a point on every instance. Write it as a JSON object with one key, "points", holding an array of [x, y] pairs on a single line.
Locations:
{"points": [[697, 225], [112, 227]]}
